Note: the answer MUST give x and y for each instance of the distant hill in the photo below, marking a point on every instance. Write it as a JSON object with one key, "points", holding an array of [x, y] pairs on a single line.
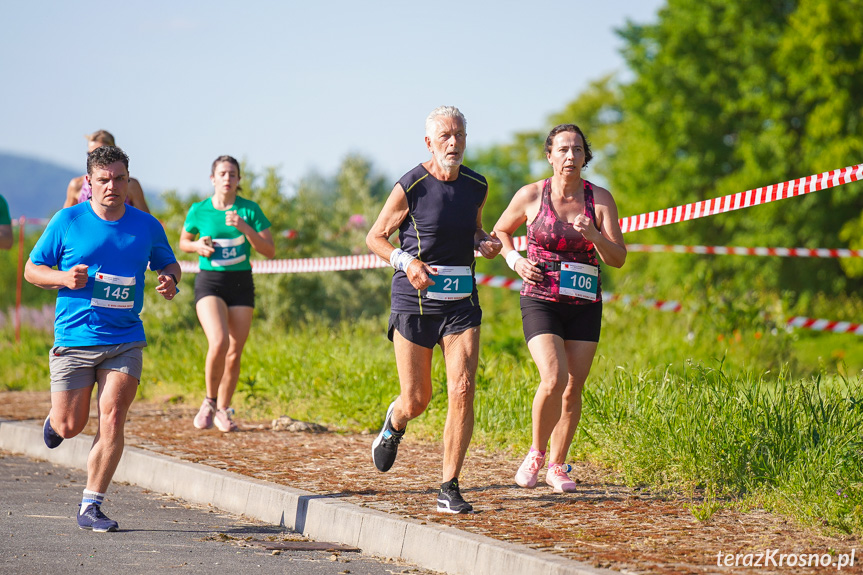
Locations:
{"points": [[33, 188], [37, 188]]}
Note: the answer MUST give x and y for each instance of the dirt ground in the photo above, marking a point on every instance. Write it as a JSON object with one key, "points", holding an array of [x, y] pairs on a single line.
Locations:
{"points": [[604, 523]]}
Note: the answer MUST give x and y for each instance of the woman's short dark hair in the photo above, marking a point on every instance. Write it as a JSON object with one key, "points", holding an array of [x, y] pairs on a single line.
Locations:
{"points": [[105, 156], [588, 155], [230, 160]]}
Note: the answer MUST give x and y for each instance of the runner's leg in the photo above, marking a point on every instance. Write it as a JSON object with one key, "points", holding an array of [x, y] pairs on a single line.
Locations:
{"points": [[213, 315], [461, 354], [579, 356], [116, 392], [239, 324], [413, 363], [549, 354]]}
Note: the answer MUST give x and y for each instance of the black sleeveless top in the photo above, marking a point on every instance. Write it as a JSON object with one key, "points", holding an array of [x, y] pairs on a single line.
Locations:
{"points": [[438, 230]]}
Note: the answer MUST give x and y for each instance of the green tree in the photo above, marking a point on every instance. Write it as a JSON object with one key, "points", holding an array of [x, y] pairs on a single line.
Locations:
{"points": [[724, 100]]}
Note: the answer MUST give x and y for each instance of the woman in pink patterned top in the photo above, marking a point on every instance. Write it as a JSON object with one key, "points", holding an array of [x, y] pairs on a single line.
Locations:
{"points": [[569, 223]]}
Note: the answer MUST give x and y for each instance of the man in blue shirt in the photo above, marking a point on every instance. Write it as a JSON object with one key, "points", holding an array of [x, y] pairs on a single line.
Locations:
{"points": [[95, 254]]}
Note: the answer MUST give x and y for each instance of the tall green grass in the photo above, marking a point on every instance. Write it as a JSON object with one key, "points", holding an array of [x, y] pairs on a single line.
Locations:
{"points": [[691, 402]]}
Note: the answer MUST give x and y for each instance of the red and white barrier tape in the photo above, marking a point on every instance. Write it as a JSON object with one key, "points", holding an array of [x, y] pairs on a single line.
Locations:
{"points": [[739, 251], [825, 325], [32, 221], [740, 200]]}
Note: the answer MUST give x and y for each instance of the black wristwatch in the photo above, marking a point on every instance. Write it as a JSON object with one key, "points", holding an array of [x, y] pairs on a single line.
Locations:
{"points": [[173, 277]]}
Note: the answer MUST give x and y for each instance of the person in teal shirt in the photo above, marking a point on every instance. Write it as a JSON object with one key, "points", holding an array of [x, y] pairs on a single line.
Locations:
{"points": [[5, 225], [223, 230]]}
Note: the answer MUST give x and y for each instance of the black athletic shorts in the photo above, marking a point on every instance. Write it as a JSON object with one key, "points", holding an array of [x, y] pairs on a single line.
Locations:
{"points": [[427, 330], [235, 287], [576, 322]]}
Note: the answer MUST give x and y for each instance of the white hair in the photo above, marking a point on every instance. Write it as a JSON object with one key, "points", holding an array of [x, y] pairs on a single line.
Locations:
{"points": [[443, 112]]}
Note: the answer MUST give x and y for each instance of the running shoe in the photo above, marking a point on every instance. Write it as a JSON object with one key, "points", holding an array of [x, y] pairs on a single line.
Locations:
{"points": [[224, 421], [386, 444], [51, 437], [529, 470], [449, 500], [557, 477], [94, 519], [204, 419]]}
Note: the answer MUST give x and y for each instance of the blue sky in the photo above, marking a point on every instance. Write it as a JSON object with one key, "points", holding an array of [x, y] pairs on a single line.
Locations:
{"points": [[292, 85]]}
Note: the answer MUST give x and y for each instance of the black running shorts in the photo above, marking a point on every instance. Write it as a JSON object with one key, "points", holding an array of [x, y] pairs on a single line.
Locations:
{"points": [[575, 322], [427, 330], [236, 288]]}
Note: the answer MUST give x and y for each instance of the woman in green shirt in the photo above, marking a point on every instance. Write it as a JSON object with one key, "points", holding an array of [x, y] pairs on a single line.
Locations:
{"points": [[223, 230]]}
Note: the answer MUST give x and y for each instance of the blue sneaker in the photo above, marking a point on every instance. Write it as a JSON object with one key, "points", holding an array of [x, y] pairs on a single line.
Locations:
{"points": [[52, 439], [94, 519]]}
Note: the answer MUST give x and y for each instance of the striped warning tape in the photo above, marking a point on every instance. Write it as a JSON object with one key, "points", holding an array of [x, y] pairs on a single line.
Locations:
{"points": [[825, 325], [31, 221], [740, 251], [740, 200]]}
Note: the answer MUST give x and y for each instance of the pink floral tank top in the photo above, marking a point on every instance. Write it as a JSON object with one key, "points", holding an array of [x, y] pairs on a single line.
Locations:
{"points": [[551, 240]]}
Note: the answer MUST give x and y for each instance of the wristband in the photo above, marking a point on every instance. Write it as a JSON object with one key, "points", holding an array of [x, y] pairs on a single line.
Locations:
{"points": [[511, 258], [400, 259]]}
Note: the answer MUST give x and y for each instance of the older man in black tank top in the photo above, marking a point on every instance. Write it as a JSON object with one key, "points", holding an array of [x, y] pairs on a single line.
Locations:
{"points": [[437, 210]]}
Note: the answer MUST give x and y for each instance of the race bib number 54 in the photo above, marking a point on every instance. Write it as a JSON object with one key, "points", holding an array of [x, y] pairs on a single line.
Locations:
{"points": [[111, 291], [579, 280]]}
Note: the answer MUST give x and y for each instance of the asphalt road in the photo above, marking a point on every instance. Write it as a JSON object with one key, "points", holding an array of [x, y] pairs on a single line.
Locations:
{"points": [[39, 534]]}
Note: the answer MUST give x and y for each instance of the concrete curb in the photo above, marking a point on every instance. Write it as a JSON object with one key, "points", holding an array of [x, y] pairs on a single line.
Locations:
{"points": [[436, 547]]}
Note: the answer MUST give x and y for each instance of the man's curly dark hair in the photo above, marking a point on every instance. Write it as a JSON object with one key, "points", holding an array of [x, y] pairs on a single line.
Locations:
{"points": [[105, 156]]}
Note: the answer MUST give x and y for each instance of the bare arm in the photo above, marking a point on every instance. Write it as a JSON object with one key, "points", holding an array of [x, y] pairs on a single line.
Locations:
{"points": [[6, 237], [262, 241], [48, 278], [73, 191], [488, 244], [136, 194], [189, 245], [516, 213], [167, 288], [608, 239], [392, 215]]}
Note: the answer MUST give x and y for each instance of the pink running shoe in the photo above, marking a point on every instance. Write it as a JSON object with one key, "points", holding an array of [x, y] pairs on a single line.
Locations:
{"points": [[529, 470], [558, 478], [224, 421], [204, 419]]}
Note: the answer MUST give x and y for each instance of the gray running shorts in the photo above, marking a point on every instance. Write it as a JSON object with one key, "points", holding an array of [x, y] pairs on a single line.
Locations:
{"points": [[75, 367]]}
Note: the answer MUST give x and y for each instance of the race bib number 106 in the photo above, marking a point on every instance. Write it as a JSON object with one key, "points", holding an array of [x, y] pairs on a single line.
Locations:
{"points": [[579, 280]]}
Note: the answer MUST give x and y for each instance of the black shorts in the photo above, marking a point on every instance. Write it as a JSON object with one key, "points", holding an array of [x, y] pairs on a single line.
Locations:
{"points": [[427, 330], [234, 287], [575, 322]]}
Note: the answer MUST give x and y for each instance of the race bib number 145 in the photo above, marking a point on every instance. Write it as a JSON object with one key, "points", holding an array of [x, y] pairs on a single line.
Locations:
{"points": [[116, 292]]}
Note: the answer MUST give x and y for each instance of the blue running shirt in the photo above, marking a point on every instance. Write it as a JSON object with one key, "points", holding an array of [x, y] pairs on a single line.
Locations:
{"points": [[438, 230], [111, 250]]}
